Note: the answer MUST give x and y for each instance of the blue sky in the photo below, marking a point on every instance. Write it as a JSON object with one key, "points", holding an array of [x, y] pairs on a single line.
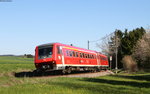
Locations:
{"points": [[25, 24]]}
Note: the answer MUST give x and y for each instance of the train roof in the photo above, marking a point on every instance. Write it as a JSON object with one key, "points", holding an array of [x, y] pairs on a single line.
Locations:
{"points": [[46, 44]]}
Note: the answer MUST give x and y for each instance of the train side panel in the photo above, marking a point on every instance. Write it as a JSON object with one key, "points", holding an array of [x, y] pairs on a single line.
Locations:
{"points": [[78, 57]]}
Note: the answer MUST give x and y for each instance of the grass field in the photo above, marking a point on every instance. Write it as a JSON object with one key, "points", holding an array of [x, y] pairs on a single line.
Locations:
{"points": [[115, 84]]}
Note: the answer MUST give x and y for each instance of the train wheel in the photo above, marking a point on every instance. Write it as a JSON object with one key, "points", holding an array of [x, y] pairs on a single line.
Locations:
{"points": [[64, 72], [68, 70], [98, 69], [94, 70]]}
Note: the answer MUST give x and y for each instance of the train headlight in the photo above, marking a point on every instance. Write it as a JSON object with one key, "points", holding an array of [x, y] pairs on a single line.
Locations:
{"points": [[43, 67], [53, 62]]}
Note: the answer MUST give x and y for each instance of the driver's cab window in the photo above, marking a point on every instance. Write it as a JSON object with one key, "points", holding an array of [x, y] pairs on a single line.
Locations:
{"points": [[59, 50]]}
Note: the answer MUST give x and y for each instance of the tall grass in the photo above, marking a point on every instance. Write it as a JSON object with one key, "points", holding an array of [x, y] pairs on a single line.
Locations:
{"points": [[114, 84]]}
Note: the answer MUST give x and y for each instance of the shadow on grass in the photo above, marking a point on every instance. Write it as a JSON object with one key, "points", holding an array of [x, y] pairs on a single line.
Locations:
{"points": [[141, 77], [117, 82], [32, 74], [41, 74]]}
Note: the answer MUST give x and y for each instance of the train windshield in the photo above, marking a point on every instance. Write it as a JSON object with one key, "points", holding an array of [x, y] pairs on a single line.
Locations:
{"points": [[45, 52]]}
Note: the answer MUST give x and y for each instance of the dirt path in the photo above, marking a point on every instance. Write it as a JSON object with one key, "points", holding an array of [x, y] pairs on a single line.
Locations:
{"points": [[97, 74]]}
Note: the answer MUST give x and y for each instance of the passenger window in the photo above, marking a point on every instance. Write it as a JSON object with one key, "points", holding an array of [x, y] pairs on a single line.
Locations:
{"points": [[81, 55], [74, 54], [92, 56], [67, 52], [70, 53], [86, 55], [77, 54]]}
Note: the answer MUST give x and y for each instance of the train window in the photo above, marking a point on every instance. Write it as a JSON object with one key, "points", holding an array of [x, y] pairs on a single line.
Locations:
{"points": [[58, 50], [74, 54], [77, 54], [45, 52], [103, 58], [67, 52], [80, 55], [92, 56], [70, 52], [86, 55]]}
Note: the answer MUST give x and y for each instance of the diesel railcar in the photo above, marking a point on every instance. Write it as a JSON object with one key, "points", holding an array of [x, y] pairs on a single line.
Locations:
{"points": [[66, 58]]}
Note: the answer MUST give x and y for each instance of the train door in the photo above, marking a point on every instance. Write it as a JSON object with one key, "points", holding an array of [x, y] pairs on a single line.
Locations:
{"points": [[98, 59], [60, 56]]}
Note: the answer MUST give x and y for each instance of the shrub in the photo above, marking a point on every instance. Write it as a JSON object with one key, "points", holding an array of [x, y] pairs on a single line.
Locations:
{"points": [[129, 64]]}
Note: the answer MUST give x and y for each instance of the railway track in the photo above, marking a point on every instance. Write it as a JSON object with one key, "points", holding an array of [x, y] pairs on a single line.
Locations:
{"points": [[96, 74]]}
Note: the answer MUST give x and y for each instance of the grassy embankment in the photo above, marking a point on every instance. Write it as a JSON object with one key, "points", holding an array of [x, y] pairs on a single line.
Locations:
{"points": [[115, 84]]}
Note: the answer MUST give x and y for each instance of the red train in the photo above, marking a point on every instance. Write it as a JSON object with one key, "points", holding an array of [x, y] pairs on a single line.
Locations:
{"points": [[57, 56]]}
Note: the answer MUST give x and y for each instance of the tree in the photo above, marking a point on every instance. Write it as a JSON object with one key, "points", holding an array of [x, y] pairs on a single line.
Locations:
{"points": [[142, 51], [127, 41], [28, 56], [130, 39], [108, 45], [104, 46]]}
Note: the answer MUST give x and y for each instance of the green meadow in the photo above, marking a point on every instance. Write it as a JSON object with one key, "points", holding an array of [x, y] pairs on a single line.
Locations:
{"points": [[123, 83]]}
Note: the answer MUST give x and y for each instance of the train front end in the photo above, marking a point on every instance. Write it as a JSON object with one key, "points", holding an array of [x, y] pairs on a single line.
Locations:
{"points": [[44, 57]]}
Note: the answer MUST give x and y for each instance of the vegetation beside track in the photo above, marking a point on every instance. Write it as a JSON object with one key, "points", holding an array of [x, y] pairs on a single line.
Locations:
{"points": [[114, 84]]}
